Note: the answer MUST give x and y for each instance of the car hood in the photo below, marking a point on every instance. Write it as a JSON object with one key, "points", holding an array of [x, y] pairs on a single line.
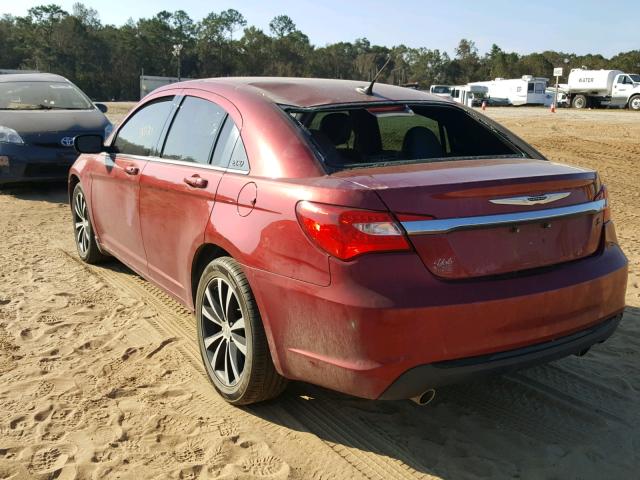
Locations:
{"points": [[39, 121]]}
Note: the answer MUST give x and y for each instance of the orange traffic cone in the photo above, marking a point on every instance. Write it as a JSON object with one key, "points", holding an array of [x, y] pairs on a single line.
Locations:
{"points": [[553, 108], [484, 105]]}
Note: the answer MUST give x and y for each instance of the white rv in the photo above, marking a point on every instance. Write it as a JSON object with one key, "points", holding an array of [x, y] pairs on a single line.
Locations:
{"points": [[527, 90], [469, 95], [603, 88]]}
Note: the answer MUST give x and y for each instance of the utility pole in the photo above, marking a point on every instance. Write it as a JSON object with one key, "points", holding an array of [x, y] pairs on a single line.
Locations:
{"points": [[557, 72], [177, 49]]}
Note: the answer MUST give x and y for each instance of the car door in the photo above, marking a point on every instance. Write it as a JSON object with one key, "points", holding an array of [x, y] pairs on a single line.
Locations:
{"points": [[178, 190], [115, 191], [621, 88]]}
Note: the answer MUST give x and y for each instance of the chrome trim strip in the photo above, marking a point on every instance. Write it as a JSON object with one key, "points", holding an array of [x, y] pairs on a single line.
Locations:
{"points": [[531, 199], [205, 166], [446, 225]]}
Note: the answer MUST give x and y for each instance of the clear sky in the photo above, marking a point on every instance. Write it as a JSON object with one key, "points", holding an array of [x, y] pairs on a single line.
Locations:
{"points": [[565, 25]]}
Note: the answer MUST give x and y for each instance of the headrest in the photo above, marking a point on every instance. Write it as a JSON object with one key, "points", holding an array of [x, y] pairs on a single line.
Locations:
{"points": [[420, 142], [337, 127]]}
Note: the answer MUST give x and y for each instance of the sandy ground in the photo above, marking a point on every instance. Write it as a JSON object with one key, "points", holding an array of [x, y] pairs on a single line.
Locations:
{"points": [[100, 376]]}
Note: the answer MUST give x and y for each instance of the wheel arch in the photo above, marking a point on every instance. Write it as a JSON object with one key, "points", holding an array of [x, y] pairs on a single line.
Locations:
{"points": [[205, 254], [73, 181], [631, 98]]}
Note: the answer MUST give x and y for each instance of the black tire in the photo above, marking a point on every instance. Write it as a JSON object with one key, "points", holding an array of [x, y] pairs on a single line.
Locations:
{"points": [[634, 103], [83, 229], [580, 101], [251, 377]]}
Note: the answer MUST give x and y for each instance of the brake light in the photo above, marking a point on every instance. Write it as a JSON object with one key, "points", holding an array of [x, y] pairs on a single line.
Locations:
{"points": [[603, 194], [347, 232]]}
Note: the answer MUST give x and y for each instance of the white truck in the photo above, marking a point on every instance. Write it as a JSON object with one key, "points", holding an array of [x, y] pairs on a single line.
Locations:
{"points": [[443, 91], [603, 88], [469, 95]]}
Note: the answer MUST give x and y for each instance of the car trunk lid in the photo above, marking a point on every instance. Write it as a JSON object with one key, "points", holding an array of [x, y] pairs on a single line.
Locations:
{"points": [[473, 218]]}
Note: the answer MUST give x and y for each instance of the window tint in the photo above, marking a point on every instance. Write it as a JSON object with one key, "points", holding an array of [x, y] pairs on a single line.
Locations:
{"points": [[140, 135], [194, 131], [530, 87], [224, 146]]}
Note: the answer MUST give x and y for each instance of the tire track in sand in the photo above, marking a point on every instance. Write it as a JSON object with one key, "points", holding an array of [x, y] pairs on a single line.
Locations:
{"points": [[350, 440]]}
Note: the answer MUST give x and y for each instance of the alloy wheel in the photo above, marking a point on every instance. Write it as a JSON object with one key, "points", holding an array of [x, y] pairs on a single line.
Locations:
{"points": [[223, 328], [81, 222]]}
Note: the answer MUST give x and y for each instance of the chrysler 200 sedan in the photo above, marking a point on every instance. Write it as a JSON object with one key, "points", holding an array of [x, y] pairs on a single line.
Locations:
{"points": [[40, 114], [379, 243]]}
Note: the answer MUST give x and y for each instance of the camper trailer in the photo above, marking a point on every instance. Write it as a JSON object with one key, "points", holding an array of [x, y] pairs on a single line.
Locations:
{"points": [[527, 90], [469, 95]]}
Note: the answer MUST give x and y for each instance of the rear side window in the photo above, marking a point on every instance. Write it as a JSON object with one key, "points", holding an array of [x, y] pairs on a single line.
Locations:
{"points": [[194, 131], [370, 136], [225, 144], [140, 135]]}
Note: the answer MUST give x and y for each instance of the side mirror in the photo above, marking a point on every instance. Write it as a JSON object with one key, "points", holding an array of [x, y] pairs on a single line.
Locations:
{"points": [[89, 144], [102, 107]]}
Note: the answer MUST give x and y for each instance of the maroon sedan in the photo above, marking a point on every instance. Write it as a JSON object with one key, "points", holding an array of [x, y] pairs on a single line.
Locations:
{"points": [[376, 243]]}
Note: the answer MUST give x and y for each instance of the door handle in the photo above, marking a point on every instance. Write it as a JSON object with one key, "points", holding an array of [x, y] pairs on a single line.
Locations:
{"points": [[196, 181], [131, 170]]}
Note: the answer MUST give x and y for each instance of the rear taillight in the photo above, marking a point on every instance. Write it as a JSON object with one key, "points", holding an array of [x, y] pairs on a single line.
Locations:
{"points": [[603, 194], [347, 232]]}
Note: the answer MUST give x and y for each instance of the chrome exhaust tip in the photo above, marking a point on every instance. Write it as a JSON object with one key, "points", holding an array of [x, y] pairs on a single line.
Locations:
{"points": [[425, 397]]}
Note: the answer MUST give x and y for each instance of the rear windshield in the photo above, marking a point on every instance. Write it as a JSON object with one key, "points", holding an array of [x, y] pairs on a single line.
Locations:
{"points": [[42, 96], [365, 136]]}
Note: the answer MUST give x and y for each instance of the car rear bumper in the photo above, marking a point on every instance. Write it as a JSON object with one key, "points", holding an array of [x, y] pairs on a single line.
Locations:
{"points": [[418, 379], [384, 315], [29, 163]]}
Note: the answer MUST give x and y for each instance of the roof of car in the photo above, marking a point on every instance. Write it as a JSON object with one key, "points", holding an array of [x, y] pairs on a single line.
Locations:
{"points": [[32, 77], [311, 92]]}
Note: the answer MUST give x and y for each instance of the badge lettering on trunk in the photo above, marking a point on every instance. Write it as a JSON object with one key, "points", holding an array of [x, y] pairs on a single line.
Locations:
{"points": [[531, 199]]}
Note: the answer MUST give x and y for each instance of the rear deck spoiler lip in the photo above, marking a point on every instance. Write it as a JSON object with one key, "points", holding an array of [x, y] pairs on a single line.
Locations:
{"points": [[446, 225]]}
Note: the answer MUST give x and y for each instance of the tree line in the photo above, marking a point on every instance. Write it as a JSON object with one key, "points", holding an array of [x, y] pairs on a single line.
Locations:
{"points": [[106, 60]]}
